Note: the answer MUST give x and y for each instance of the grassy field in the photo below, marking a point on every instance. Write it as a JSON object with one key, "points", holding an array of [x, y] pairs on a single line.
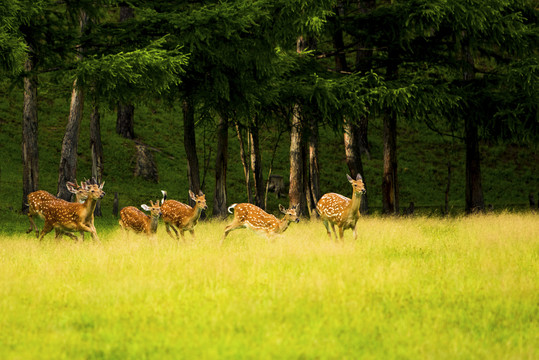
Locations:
{"points": [[465, 287]]}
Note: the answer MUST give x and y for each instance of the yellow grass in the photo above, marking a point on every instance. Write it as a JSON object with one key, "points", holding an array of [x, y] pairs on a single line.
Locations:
{"points": [[407, 288]]}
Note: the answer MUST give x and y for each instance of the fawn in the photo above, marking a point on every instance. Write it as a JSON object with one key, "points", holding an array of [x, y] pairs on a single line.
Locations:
{"points": [[37, 199], [335, 209], [133, 218], [253, 217], [68, 217], [184, 217]]}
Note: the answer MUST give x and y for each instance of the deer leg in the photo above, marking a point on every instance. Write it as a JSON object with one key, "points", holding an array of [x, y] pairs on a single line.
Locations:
{"points": [[32, 224], [192, 233], [124, 227], [181, 233], [74, 237], [91, 229], [168, 227], [341, 233], [355, 231], [46, 229], [333, 229], [230, 227], [326, 224], [95, 237]]}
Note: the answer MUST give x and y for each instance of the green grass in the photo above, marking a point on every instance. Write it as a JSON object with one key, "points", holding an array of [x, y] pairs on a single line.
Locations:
{"points": [[509, 171], [456, 288]]}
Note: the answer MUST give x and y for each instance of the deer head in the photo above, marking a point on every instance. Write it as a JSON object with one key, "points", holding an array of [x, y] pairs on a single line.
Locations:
{"points": [[93, 189], [290, 214], [200, 199], [154, 209], [357, 184]]}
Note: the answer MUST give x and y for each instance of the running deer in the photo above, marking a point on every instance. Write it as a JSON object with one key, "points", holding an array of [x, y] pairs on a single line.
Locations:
{"points": [[335, 209], [69, 217], [139, 222], [36, 200], [252, 217], [181, 216]]}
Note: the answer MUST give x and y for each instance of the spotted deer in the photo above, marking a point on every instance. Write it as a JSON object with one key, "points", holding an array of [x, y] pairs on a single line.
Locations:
{"points": [[181, 216], [134, 219], [36, 200], [335, 209], [251, 216], [70, 217]]}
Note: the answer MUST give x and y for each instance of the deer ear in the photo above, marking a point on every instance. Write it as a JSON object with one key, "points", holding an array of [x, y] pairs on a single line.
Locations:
{"points": [[282, 209], [358, 177], [192, 195], [349, 177], [71, 187], [101, 186], [145, 207]]}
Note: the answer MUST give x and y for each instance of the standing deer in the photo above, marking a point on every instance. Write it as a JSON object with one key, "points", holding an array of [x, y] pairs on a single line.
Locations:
{"points": [[335, 209], [69, 217], [253, 217], [184, 217], [36, 200], [133, 218]]}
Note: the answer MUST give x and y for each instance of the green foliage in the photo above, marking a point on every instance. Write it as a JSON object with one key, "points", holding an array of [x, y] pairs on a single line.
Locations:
{"points": [[128, 76]]}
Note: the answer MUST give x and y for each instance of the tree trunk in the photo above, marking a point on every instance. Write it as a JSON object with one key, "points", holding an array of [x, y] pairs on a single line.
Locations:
{"points": [[338, 41], [125, 117], [256, 165], [221, 158], [68, 160], [390, 185], [353, 158], [244, 163], [473, 189], [390, 193], [190, 146], [296, 193], [30, 153], [125, 120], [363, 64], [309, 201], [96, 149], [314, 169], [126, 12], [351, 131]]}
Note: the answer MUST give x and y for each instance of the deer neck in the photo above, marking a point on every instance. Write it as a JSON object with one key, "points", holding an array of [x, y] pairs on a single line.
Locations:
{"points": [[153, 224], [283, 225], [355, 203], [88, 207], [197, 210]]}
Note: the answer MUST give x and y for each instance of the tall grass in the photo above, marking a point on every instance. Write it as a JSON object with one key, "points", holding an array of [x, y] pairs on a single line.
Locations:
{"points": [[407, 288]]}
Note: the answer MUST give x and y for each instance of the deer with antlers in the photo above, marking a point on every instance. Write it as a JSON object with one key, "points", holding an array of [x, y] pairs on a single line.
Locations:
{"points": [[335, 209], [70, 217], [37, 199], [181, 216], [251, 216], [134, 219]]}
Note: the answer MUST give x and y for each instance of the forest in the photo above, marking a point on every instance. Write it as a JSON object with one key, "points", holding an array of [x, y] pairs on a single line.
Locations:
{"points": [[424, 112], [299, 70]]}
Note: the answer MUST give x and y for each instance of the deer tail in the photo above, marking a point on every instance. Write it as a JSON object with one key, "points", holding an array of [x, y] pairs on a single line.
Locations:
{"points": [[164, 196], [231, 207]]}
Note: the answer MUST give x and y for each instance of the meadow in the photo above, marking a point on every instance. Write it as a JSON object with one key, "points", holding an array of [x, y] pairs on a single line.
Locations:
{"points": [[443, 288]]}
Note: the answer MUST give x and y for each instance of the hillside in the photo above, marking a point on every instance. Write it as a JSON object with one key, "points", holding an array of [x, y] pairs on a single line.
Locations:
{"points": [[509, 171]]}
